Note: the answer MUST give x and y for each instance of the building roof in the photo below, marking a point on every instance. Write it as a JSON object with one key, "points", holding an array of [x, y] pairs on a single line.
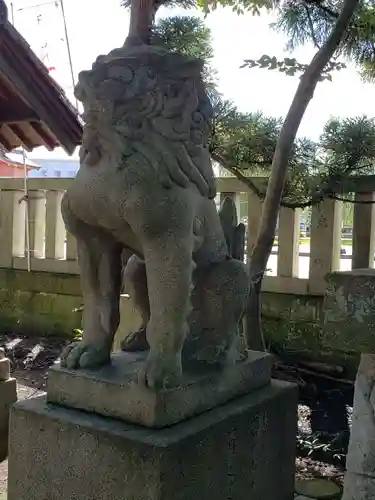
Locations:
{"points": [[34, 110]]}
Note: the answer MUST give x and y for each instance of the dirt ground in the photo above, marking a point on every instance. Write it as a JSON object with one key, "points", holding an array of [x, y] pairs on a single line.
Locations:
{"points": [[323, 413]]}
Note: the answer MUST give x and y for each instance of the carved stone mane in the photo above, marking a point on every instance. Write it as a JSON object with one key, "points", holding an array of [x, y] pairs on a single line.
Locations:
{"points": [[146, 104]]}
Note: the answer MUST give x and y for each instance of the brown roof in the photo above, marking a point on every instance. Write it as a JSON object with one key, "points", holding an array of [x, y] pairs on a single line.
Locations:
{"points": [[34, 110]]}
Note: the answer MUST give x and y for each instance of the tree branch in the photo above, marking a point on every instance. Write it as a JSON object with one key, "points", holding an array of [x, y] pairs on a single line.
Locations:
{"points": [[327, 10], [275, 188], [311, 28], [287, 137]]}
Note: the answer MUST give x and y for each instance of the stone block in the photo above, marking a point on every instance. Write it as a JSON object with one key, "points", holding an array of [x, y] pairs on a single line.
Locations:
{"points": [[349, 305], [240, 450], [8, 396], [113, 390], [358, 487], [361, 451]]}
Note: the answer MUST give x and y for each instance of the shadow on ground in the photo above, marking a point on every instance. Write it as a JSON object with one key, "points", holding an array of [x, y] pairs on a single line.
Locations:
{"points": [[30, 357]]}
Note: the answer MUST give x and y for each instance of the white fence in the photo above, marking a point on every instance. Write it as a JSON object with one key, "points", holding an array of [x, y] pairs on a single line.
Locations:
{"points": [[53, 250]]}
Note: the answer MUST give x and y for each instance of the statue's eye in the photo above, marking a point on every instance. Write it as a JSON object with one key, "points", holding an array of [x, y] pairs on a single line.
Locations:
{"points": [[133, 123], [150, 74], [171, 92]]}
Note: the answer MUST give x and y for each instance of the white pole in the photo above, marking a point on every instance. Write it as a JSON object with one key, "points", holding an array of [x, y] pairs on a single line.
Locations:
{"points": [[68, 48], [12, 12], [26, 198]]}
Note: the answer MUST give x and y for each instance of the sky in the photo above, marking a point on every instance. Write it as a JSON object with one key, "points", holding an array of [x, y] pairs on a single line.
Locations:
{"points": [[93, 31]]}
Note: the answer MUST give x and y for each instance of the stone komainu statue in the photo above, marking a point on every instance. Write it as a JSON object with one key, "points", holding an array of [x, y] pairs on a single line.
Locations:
{"points": [[146, 185]]}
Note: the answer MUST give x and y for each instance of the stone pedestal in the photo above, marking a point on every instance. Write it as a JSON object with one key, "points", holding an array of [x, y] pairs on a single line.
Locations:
{"points": [[224, 435], [113, 391], [8, 396], [360, 463], [242, 450]]}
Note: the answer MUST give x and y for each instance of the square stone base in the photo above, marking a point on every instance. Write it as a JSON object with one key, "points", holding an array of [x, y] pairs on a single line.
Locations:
{"points": [[243, 450], [358, 487], [113, 391], [8, 396]]}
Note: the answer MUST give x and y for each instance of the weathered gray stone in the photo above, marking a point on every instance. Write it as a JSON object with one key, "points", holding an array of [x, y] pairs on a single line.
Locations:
{"points": [[361, 451], [8, 396], [360, 461], [243, 449], [113, 390], [4, 366], [358, 487], [208, 316], [318, 488], [146, 185], [349, 308]]}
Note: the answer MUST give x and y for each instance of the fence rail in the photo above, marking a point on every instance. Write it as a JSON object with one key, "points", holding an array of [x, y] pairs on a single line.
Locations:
{"points": [[51, 249]]}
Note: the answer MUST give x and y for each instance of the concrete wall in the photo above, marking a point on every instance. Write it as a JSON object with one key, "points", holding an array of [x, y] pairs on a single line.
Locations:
{"points": [[39, 303], [298, 324], [335, 327]]}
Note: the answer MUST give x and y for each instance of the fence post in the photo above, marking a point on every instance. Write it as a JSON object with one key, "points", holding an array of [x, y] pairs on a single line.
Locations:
{"points": [[288, 242], [37, 222], [55, 227], [6, 228], [325, 242], [363, 232]]}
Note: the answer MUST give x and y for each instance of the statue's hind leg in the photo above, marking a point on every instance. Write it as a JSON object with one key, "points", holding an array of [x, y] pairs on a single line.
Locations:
{"points": [[218, 300], [169, 266], [99, 257], [135, 283]]}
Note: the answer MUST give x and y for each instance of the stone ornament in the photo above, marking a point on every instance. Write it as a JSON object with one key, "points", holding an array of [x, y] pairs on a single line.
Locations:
{"points": [[359, 481], [4, 366], [146, 186]]}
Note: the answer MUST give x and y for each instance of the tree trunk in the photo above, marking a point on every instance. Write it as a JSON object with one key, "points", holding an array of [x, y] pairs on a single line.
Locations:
{"points": [[271, 205], [142, 15]]}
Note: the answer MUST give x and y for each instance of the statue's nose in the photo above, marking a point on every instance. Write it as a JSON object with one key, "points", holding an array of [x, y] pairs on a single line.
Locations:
{"points": [[83, 88]]}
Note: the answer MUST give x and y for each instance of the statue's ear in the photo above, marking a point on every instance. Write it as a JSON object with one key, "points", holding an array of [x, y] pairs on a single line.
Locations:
{"points": [[181, 66]]}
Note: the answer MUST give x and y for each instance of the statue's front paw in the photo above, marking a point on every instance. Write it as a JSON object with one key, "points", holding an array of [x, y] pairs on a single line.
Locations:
{"points": [[161, 372], [84, 355]]}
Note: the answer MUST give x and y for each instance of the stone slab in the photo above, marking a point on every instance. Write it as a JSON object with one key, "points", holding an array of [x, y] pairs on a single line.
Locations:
{"points": [[358, 487], [112, 391], [8, 396], [361, 452], [242, 450]]}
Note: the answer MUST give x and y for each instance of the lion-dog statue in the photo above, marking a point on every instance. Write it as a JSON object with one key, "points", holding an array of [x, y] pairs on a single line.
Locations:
{"points": [[146, 184]]}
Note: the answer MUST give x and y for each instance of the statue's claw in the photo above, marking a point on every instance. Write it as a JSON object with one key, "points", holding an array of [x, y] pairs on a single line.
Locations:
{"points": [[161, 372], [84, 355]]}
